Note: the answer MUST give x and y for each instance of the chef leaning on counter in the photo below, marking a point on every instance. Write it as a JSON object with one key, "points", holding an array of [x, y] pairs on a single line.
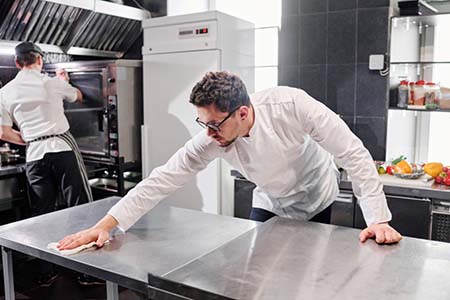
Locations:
{"points": [[281, 139]]}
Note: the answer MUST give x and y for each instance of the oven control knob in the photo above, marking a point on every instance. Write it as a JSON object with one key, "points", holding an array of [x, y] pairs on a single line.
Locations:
{"points": [[113, 146], [111, 80]]}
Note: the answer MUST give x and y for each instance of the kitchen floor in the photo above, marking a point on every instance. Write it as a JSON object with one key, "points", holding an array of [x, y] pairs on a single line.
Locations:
{"points": [[64, 287]]}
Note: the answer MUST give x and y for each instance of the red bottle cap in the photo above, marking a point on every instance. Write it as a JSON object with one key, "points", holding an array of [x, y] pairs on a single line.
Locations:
{"points": [[420, 82]]}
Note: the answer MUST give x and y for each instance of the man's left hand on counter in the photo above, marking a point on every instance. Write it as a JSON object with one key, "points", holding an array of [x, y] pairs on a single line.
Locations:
{"points": [[383, 233]]}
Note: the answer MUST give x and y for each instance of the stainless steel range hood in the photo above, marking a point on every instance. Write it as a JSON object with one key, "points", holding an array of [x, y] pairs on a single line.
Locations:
{"points": [[82, 27]]}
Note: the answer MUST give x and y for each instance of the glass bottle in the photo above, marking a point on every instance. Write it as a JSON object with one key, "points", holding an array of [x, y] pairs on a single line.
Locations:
{"points": [[432, 95], [419, 93], [403, 94]]}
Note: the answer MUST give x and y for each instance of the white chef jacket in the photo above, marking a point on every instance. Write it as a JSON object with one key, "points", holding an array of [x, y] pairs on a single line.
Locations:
{"points": [[288, 155], [34, 102]]}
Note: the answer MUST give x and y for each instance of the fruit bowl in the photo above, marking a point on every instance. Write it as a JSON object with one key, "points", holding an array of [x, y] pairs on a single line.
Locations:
{"points": [[413, 175]]}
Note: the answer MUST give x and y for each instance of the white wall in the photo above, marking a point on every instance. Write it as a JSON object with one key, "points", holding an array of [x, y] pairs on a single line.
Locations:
{"points": [[401, 134], [404, 41], [183, 7], [439, 139]]}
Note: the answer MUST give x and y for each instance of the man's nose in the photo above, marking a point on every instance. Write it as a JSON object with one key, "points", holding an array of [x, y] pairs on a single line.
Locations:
{"points": [[210, 132]]}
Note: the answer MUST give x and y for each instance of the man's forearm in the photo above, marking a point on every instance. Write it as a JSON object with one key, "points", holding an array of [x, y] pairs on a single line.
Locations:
{"points": [[10, 135], [79, 96], [107, 223]]}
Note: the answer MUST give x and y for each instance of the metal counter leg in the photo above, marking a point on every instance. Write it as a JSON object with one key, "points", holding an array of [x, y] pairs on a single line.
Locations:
{"points": [[8, 273], [112, 291]]}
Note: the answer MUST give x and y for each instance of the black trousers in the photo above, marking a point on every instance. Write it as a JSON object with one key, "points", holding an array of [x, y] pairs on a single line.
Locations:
{"points": [[262, 215], [55, 182]]}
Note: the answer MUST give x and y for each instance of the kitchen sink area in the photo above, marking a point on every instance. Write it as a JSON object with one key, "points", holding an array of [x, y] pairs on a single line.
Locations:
{"points": [[110, 184]]}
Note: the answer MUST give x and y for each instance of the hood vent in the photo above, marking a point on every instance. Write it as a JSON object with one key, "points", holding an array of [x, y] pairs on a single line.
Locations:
{"points": [[83, 27]]}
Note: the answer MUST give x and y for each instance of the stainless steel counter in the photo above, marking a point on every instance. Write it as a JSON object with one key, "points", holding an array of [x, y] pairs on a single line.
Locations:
{"points": [[286, 259], [163, 240], [12, 169], [435, 191]]}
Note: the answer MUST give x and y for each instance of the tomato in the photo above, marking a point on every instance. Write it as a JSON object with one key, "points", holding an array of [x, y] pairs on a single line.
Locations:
{"points": [[438, 179], [390, 170], [447, 181], [445, 169]]}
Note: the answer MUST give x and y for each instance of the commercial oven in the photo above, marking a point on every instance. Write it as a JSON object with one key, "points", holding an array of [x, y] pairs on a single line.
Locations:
{"points": [[106, 124]]}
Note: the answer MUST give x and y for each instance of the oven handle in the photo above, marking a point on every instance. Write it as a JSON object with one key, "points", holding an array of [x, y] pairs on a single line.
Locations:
{"points": [[101, 118]]}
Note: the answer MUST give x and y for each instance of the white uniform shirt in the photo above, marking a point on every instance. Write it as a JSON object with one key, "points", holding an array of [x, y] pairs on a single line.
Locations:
{"points": [[288, 155], [35, 103]]}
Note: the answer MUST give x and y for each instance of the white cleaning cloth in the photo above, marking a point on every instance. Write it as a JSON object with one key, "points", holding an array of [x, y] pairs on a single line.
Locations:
{"points": [[53, 246]]}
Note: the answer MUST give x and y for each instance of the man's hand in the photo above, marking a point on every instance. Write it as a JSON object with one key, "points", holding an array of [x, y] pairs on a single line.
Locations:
{"points": [[98, 234], [8, 134], [382, 233], [62, 74]]}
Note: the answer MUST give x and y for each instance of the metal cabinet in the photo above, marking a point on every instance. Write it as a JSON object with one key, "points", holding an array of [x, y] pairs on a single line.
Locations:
{"points": [[13, 198], [410, 216], [342, 209]]}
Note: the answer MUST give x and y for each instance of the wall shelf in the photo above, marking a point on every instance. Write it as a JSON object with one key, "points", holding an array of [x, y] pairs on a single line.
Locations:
{"points": [[418, 109], [419, 50], [419, 62]]}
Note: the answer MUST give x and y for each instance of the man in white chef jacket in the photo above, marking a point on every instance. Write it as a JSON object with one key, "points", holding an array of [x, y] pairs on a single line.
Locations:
{"points": [[56, 174], [281, 139]]}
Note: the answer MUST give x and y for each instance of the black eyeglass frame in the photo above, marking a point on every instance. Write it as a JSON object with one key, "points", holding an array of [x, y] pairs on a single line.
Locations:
{"points": [[215, 127]]}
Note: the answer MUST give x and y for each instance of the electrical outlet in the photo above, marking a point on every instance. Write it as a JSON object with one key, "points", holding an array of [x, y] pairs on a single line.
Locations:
{"points": [[376, 62]]}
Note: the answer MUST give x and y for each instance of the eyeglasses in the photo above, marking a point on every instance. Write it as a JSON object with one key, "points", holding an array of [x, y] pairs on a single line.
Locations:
{"points": [[215, 127]]}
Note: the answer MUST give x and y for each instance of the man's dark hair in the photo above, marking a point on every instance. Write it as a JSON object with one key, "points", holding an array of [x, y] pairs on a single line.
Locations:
{"points": [[227, 91], [27, 59]]}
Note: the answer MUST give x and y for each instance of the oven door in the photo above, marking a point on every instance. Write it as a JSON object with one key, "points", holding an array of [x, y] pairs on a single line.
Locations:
{"points": [[89, 119]]}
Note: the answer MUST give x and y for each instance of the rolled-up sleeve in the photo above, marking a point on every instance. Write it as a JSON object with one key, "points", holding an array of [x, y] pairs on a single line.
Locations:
{"points": [[164, 180], [331, 133], [68, 92]]}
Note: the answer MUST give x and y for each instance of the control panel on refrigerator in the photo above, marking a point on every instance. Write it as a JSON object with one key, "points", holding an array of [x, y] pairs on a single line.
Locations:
{"points": [[193, 32]]}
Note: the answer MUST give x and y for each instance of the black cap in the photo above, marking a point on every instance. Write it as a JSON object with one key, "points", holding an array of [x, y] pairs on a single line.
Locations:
{"points": [[27, 47]]}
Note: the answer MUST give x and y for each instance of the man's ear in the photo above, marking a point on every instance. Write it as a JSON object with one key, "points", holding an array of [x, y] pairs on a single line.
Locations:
{"points": [[17, 64], [243, 112], [40, 60]]}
